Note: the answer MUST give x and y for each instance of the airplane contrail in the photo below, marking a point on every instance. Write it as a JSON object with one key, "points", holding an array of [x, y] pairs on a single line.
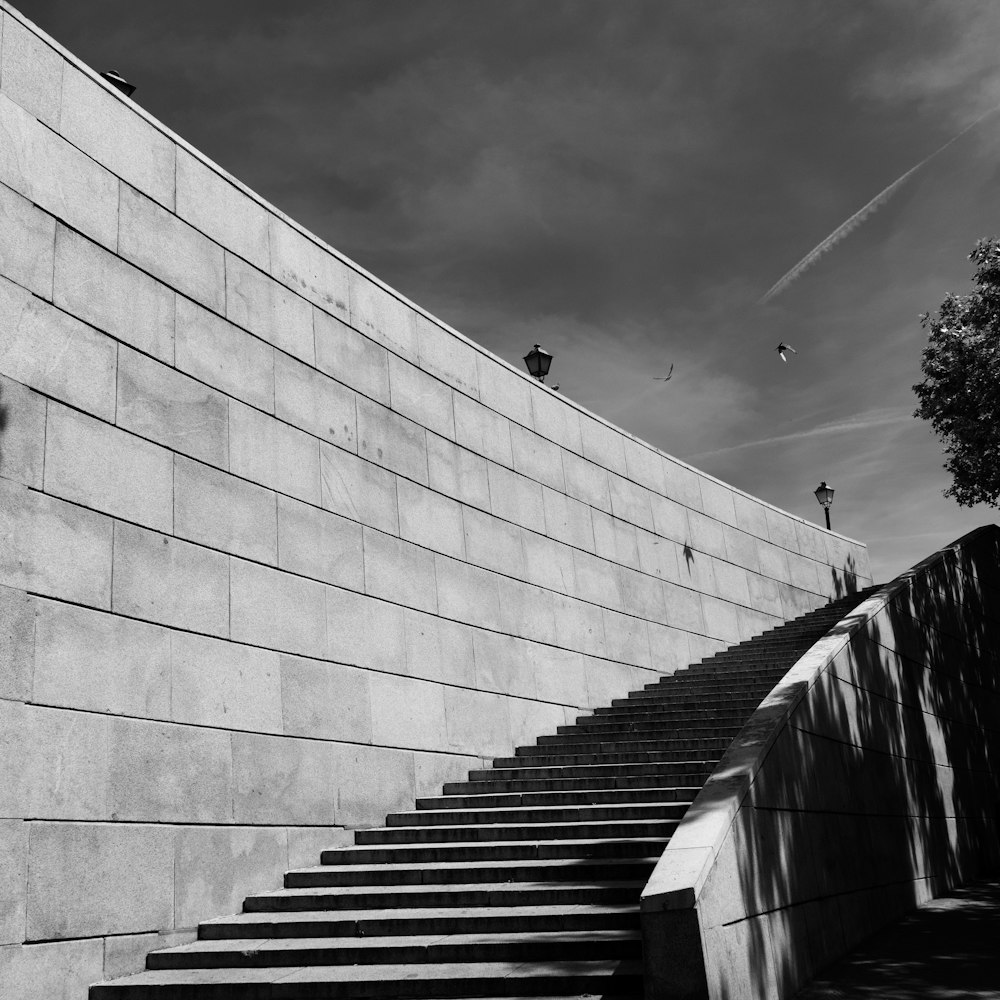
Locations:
{"points": [[855, 220]]}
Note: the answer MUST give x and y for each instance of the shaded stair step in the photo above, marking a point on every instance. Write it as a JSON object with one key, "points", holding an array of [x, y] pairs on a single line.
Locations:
{"points": [[540, 814], [605, 829], [583, 796], [610, 757]]}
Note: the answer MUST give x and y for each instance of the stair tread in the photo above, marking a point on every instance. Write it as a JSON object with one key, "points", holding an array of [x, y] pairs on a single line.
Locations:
{"points": [[473, 865], [447, 887]]}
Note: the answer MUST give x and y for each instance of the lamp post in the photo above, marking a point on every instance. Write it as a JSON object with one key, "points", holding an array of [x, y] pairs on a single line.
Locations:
{"points": [[538, 363], [825, 496]]}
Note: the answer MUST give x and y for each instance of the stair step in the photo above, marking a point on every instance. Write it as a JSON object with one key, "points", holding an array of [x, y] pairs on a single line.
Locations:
{"points": [[444, 981], [610, 828], [539, 814], [691, 779], [430, 920], [611, 757], [587, 796], [522, 768]]}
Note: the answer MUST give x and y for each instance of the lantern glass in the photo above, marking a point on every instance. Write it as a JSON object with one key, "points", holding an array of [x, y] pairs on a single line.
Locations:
{"points": [[824, 494], [538, 362]]}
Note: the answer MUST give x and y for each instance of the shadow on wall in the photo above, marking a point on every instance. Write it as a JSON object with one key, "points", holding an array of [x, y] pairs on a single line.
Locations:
{"points": [[888, 790], [845, 581]]}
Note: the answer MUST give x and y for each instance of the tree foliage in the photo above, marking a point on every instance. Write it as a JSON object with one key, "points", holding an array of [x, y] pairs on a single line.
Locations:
{"points": [[960, 391]]}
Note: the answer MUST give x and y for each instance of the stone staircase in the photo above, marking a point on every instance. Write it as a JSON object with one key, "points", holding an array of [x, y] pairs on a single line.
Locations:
{"points": [[523, 881]]}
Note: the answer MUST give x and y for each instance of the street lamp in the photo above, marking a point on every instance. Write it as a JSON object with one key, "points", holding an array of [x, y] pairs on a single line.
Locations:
{"points": [[538, 362], [825, 496]]}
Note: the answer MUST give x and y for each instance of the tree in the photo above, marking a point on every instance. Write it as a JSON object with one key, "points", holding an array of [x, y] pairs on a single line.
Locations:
{"points": [[960, 392]]}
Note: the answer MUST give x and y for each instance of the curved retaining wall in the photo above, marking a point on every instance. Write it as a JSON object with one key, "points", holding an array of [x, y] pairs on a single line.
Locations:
{"points": [[866, 783], [279, 551]]}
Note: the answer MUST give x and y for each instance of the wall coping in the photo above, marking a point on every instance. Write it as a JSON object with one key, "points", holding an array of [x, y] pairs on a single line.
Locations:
{"points": [[683, 869], [113, 91]]}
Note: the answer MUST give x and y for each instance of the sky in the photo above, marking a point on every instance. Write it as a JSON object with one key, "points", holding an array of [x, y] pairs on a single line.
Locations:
{"points": [[622, 181]]}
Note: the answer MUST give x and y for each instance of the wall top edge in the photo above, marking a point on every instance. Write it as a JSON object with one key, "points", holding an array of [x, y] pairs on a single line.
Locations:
{"points": [[684, 866], [137, 109]]}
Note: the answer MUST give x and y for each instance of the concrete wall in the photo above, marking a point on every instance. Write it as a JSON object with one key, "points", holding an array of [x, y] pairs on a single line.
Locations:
{"points": [[865, 784], [278, 550]]}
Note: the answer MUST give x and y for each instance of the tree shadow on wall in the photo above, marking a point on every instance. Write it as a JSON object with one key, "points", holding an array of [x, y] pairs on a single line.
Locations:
{"points": [[845, 580], [884, 788]]}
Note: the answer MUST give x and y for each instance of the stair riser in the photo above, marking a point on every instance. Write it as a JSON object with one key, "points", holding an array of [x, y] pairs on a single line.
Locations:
{"points": [[623, 796], [544, 831], [667, 770], [552, 814], [639, 847], [559, 785]]}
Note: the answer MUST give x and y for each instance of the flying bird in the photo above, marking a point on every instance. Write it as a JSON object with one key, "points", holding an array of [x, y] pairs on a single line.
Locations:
{"points": [[782, 347], [664, 378]]}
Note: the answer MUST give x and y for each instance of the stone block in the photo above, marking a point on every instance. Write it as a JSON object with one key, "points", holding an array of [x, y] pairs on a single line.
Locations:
{"points": [[697, 570], [568, 520], [96, 464], [306, 844], [438, 649], [54, 548], [315, 402], [218, 867], [392, 441], [483, 431], [357, 489], [706, 534], [430, 519], [530, 719], [166, 580], [764, 596], [381, 316], [554, 419], [125, 954], [626, 639], [477, 722], [606, 680], [221, 684], [17, 644], [90, 879], [109, 293], [803, 573], [314, 542], [273, 454], [773, 562], [399, 571], [741, 548], [308, 269], [586, 481], [449, 357], [548, 563], [669, 518], [166, 406], [644, 465], [721, 621], [352, 359], [643, 595], [27, 243], [560, 675], [579, 626], [669, 648], [630, 502], [457, 472], [14, 876], [98, 662], [493, 543], [223, 512], [55, 175], [527, 611], [421, 397], [284, 781], [597, 580], [507, 664], [60, 970], [504, 391], [373, 781], [751, 516], [277, 610], [515, 498], [408, 712], [657, 555], [467, 593], [322, 700], [781, 529], [159, 772], [537, 458], [171, 250], [22, 447], [811, 541], [731, 583], [603, 445], [224, 356], [364, 631], [216, 206], [683, 608], [432, 770], [258, 303], [98, 120], [683, 484], [717, 501], [55, 354], [615, 540], [32, 74]]}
